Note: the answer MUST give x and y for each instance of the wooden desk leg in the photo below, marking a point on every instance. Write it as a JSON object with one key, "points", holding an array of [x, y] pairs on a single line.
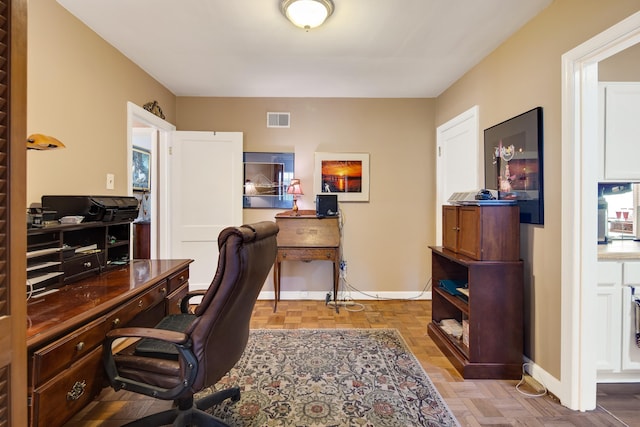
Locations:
{"points": [[276, 284], [336, 278]]}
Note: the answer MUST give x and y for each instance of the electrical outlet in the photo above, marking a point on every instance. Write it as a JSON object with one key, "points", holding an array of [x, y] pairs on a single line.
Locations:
{"points": [[343, 269], [110, 181]]}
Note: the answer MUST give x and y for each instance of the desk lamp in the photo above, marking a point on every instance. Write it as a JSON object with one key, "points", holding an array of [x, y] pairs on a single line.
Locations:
{"points": [[296, 190]]}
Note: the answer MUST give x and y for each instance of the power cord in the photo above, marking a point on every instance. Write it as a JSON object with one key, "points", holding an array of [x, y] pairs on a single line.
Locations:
{"points": [[376, 297], [29, 289], [541, 391]]}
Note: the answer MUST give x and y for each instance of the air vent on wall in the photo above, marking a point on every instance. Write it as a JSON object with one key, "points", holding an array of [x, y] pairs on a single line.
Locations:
{"points": [[278, 120]]}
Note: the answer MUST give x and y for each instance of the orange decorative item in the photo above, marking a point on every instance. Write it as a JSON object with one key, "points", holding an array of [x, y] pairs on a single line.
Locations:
{"points": [[38, 141]]}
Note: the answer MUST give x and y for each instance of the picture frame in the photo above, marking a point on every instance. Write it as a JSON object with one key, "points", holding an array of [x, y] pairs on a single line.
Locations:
{"points": [[141, 169], [513, 154], [343, 174], [266, 179]]}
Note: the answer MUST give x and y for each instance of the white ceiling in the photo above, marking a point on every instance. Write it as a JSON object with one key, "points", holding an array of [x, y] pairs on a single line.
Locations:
{"points": [[247, 48]]}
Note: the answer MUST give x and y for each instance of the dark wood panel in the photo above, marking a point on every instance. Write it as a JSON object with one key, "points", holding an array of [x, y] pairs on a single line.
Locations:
{"points": [[73, 305]]}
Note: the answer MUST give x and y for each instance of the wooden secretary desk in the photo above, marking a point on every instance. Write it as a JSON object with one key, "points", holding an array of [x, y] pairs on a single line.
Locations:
{"points": [[305, 237]]}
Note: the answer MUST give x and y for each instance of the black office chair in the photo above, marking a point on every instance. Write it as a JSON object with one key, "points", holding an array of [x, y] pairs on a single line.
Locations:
{"points": [[186, 352]]}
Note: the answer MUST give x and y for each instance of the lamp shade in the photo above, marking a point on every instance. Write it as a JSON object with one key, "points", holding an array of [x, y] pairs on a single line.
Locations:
{"points": [[295, 188], [38, 141], [307, 14]]}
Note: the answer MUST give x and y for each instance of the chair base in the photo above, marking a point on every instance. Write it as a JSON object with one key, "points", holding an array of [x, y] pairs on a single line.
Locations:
{"points": [[190, 413]]}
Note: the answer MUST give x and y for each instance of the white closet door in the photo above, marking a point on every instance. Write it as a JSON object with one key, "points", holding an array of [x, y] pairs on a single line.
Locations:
{"points": [[205, 191], [457, 160]]}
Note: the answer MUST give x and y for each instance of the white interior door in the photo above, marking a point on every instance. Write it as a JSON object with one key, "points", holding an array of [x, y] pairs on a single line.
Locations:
{"points": [[205, 192], [457, 160]]}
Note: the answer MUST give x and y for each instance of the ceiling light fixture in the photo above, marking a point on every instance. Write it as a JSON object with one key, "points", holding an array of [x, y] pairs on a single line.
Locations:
{"points": [[306, 14]]}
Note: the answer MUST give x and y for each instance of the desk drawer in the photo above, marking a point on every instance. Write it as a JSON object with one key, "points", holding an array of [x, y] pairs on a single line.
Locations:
{"points": [[307, 254], [82, 266], [122, 316], [173, 300], [55, 357], [178, 279], [59, 399]]}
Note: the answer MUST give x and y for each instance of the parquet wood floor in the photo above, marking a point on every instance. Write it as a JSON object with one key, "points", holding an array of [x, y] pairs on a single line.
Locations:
{"points": [[474, 403]]}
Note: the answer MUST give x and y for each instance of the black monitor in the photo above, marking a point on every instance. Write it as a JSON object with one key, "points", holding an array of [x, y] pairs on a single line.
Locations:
{"points": [[326, 205]]}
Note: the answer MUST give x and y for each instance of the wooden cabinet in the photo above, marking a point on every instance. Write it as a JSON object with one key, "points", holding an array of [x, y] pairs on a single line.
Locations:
{"points": [[487, 233], [477, 298], [491, 318], [618, 357], [142, 240], [608, 316], [304, 237], [64, 254], [67, 329]]}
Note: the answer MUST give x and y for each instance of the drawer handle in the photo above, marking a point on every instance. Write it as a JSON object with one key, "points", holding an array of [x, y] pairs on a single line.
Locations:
{"points": [[115, 322], [284, 255], [140, 303], [77, 390], [163, 291], [181, 278], [87, 264], [80, 346], [328, 255]]}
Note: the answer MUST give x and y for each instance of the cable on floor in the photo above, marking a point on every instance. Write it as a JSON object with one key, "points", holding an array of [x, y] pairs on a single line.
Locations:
{"points": [[541, 391]]}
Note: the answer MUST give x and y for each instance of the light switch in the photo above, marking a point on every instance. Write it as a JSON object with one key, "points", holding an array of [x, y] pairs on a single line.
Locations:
{"points": [[110, 181]]}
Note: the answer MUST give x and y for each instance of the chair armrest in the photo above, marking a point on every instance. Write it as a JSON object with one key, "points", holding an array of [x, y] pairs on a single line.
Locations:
{"points": [[179, 340], [184, 304], [172, 337]]}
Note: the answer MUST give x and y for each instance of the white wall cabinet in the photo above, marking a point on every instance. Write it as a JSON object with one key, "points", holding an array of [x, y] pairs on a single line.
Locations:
{"points": [[618, 358], [619, 130]]}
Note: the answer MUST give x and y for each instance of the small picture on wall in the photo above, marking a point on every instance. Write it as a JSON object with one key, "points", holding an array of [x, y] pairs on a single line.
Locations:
{"points": [[141, 169], [343, 174]]}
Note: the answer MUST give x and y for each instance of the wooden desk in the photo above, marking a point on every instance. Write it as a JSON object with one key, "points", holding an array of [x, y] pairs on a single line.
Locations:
{"points": [[66, 330], [307, 238]]}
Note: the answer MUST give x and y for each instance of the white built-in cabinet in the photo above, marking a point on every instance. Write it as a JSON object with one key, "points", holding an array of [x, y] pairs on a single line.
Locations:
{"points": [[618, 358], [619, 131]]}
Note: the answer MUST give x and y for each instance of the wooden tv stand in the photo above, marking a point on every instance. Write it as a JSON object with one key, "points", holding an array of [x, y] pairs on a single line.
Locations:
{"points": [[66, 329]]}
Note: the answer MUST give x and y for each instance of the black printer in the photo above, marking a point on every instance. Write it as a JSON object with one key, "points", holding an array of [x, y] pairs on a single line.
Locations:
{"points": [[93, 208]]}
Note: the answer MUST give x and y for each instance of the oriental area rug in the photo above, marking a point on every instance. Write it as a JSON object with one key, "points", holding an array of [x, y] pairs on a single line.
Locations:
{"points": [[329, 377]]}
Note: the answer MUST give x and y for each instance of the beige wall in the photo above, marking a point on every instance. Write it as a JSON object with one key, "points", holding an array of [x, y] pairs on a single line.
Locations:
{"points": [[385, 240], [622, 67], [78, 87], [523, 73]]}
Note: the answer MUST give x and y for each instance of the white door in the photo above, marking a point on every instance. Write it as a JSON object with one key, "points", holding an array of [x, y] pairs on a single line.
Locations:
{"points": [[457, 160], [205, 196]]}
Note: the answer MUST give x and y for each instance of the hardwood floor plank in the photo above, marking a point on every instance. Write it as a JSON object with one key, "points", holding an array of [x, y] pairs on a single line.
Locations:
{"points": [[473, 402]]}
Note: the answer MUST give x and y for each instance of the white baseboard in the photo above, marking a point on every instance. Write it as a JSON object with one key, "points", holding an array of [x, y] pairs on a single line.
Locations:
{"points": [[366, 296], [543, 377]]}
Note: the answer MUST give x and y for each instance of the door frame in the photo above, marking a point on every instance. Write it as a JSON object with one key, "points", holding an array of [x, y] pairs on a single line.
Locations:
{"points": [[139, 117], [579, 208]]}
